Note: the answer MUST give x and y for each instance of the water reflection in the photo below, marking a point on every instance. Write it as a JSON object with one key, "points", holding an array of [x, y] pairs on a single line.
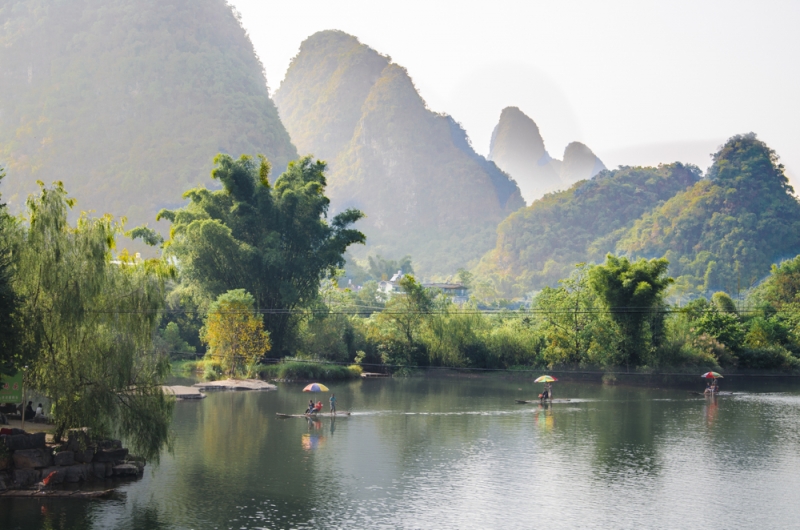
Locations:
{"points": [[544, 418], [456, 453], [711, 408]]}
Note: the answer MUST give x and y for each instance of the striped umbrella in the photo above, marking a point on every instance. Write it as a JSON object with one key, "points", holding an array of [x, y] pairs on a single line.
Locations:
{"points": [[712, 375], [316, 387], [545, 379]]}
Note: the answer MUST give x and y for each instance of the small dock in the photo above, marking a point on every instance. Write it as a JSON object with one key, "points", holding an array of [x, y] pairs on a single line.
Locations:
{"points": [[183, 392], [235, 384]]}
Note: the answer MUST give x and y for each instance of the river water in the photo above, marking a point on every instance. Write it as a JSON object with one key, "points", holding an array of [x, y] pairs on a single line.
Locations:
{"points": [[459, 453]]}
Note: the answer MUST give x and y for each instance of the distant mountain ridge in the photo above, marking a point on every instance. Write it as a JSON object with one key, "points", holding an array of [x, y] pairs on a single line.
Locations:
{"points": [[726, 231], [719, 232], [128, 101], [413, 172], [517, 147]]}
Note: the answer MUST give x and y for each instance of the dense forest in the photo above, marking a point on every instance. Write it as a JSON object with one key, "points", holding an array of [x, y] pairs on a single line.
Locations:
{"points": [[127, 102], [719, 232], [727, 230], [517, 148], [424, 190], [540, 244]]}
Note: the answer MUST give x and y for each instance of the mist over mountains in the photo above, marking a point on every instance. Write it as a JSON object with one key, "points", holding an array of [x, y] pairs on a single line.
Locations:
{"points": [[425, 191], [127, 102], [517, 148]]}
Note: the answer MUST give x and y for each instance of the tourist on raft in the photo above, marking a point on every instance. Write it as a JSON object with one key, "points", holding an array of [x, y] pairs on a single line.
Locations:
{"points": [[333, 403], [310, 408]]}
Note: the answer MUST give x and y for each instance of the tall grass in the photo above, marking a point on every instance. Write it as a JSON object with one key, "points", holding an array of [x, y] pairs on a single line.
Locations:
{"points": [[308, 371]]}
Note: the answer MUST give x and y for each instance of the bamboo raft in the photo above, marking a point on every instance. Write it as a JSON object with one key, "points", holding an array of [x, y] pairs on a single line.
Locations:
{"points": [[712, 393], [58, 494], [317, 415], [529, 401]]}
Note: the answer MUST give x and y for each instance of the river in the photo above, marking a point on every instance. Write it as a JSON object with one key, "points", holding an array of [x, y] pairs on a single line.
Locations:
{"points": [[457, 452]]}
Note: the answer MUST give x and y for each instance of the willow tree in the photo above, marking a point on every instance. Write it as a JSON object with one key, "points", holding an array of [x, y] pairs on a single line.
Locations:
{"points": [[274, 241], [10, 358], [88, 322]]}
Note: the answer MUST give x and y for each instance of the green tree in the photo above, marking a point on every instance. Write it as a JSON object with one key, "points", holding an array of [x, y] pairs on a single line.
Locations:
{"points": [[88, 324], [170, 341], [234, 332], [399, 328], [274, 242], [10, 358], [633, 292], [571, 322]]}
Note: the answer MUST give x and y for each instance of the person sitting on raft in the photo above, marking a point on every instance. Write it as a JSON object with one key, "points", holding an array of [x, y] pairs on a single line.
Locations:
{"points": [[318, 407], [310, 408], [545, 393]]}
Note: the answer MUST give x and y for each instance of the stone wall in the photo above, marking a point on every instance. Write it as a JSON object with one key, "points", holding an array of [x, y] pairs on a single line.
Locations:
{"points": [[27, 460]]}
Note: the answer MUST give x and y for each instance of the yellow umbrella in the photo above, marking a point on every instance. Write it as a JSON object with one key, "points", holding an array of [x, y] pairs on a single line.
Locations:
{"points": [[545, 379], [316, 387]]}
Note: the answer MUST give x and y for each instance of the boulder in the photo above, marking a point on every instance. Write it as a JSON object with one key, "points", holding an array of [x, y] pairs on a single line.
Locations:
{"points": [[15, 442], [111, 455], [109, 444], [5, 462], [25, 478], [98, 470], [75, 473], [4, 481], [137, 461], [32, 458], [78, 439], [64, 458], [85, 456], [58, 475], [109, 469], [126, 470]]}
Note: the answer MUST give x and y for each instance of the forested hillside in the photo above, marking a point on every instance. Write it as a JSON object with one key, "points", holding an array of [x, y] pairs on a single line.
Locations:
{"points": [[128, 101], [424, 190], [541, 244], [726, 231], [517, 147]]}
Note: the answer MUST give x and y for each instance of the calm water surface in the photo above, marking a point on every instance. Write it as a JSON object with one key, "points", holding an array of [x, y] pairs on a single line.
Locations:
{"points": [[459, 453]]}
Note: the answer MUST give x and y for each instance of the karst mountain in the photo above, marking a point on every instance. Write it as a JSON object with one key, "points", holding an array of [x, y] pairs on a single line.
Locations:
{"points": [[128, 101], [517, 147], [425, 191]]}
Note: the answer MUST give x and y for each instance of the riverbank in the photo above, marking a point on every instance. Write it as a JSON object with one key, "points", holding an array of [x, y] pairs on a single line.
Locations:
{"points": [[32, 461], [283, 371]]}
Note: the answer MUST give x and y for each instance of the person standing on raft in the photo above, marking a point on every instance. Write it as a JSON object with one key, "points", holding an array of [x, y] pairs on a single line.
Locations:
{"points": [[333, 403]]}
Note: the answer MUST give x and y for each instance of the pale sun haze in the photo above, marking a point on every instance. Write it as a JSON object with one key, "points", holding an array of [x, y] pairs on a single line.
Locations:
{"points": [[638, 82]]}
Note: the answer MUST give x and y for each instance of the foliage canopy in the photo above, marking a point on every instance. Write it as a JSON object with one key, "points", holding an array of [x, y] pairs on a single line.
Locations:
{"points": [[87, 324], [272, 241]]}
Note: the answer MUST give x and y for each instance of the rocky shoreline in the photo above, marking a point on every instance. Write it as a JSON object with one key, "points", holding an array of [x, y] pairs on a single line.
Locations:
{"points": [[28, 461]]}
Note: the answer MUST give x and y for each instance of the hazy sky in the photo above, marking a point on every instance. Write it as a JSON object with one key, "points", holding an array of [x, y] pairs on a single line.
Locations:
{"points": [[638, 82]]}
